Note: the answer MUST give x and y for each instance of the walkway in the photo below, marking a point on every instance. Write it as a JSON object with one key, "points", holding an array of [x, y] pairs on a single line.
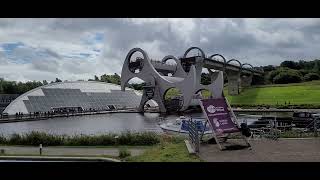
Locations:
{"points": [[265, 150], [69, 151]]}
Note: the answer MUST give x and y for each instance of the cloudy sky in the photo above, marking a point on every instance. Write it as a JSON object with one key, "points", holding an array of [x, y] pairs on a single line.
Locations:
{"points": [[72, 49]]}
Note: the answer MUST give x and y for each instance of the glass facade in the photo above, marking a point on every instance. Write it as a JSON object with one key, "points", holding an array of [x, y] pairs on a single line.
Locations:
{"points": [[86, 94]]}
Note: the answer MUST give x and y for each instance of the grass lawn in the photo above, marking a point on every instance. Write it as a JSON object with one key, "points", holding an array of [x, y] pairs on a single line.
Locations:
{"points": [[166, 151], [298, 93], [281, 94]]}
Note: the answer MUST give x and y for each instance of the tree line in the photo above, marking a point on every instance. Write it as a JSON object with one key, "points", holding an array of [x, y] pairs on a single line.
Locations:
{"points": [[13, 87], [292, 72]]}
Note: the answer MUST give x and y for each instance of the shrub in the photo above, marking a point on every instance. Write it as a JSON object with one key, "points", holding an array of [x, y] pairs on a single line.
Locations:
{"points": [[3, 140], [303, 72], [289, 76], [123, 153], [15, 139], [35, 138], [142, 138], [127, 138], [311, 76], [284, 75]]}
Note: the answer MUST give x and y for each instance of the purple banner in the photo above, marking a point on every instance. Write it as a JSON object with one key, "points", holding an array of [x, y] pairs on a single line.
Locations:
{"points": [[218, 115]]}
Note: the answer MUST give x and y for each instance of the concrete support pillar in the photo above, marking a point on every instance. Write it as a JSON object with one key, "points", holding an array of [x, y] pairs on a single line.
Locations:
{"points": [[156, 97], [233, 82], [246, 81]]}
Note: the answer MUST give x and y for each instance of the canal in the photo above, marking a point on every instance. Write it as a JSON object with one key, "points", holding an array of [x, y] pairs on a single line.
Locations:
{"points": [[97, 124]]}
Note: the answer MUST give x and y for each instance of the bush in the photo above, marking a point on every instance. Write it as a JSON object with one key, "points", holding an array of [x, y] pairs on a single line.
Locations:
{"points": [[15, 139], [284, 75], [142, 138], [123, 153], [289, 76], [3, 140], [36, 138], [311, 76], [303, 72], [2, 151]]}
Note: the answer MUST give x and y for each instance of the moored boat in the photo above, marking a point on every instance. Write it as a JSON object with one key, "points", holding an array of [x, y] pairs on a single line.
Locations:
{"points": [[180, 125]]}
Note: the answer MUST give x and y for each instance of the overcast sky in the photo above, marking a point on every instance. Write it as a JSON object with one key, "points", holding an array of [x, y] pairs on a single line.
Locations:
{"points": [[72, 49]]}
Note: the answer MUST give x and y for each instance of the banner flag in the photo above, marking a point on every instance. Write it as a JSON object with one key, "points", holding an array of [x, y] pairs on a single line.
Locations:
{"points": [[216, 111]]}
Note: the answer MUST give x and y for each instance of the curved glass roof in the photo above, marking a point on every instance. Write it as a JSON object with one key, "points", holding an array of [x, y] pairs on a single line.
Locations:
{"points": [[85, 94]]}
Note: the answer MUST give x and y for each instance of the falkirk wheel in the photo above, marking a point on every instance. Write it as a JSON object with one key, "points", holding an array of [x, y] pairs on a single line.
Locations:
{"points": [[185, 76]]}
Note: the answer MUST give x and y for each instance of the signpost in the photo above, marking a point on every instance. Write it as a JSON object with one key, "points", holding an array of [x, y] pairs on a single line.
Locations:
{"points": [[221, 118]]}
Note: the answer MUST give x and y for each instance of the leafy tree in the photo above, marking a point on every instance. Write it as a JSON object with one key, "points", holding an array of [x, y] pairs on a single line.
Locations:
{"points": [[12, 87], [258, 80], [290, 64], [316, 67], [137, 86], [114, 79], [58, 80], [205, 79], [96, 78], [304, 71], [287, 76], [311, 76], [268, 68]]}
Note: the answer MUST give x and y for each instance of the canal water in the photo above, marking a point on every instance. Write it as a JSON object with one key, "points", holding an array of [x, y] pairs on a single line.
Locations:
{"points": [[97, 124]]}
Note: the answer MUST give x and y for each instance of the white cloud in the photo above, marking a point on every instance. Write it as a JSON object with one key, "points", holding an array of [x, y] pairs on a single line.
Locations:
{"points": [[72, 49]]}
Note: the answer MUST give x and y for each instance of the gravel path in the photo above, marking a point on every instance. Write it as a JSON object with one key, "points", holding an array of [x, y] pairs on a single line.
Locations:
{"points": [[65, 151], [265, 150]]}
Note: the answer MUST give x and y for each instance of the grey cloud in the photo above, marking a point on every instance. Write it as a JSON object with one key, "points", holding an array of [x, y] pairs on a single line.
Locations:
{"points": [[49, 65], [256, 41], [52, 53]]}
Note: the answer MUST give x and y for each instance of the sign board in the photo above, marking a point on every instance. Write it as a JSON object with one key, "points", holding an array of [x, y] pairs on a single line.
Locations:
{"points": [[217, 113]]}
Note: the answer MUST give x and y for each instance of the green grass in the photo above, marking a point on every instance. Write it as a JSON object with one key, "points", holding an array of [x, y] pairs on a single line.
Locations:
{"points": [[295, 94], [303, 95], [166, 152], [169, 149], [296, 134]]}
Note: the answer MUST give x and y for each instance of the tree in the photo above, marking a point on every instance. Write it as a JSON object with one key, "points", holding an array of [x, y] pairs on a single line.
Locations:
{"points": [[137, 86], [44, 82], [58, 80], [205, 79], [268, 68], [12, 87], [304, 71], [258, 80], [288, 76], [290, 64], [96, 78], [311, 76], [316, 67], [114, 79]]}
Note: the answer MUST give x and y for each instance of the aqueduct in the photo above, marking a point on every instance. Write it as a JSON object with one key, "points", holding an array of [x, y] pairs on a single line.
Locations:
{"points": [[185, 76]]}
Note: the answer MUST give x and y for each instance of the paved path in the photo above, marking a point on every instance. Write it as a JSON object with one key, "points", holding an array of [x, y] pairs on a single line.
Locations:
{"points": [[265, 150], [65, 151]]}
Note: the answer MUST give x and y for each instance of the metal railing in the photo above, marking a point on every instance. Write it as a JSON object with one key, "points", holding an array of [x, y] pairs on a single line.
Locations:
{"points": [[194, 135]]}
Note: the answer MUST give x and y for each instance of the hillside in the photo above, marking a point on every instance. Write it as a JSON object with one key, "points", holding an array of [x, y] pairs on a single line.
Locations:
{"points": [[281, 94]]}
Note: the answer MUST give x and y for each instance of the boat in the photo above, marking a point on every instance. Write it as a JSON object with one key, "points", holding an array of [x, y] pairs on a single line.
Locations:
{"points": [[180, 125]]}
